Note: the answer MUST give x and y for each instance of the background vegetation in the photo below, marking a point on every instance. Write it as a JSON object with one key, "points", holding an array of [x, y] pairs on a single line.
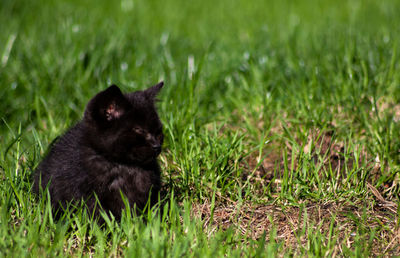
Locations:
{"points": [[281, 122]]}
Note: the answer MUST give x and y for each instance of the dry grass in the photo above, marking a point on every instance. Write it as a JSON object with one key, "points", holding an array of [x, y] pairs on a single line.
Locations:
{"points": [[375, 211], [290, 222]]}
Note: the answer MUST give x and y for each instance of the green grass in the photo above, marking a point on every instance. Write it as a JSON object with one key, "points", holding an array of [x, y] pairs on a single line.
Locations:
{"points": [[281, 121]]}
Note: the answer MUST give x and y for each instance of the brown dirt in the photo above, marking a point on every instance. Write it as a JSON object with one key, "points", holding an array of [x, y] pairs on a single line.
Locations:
{"points": [[376, 211], [327, 152], [288, 221], [323, 148], [386, 105]]}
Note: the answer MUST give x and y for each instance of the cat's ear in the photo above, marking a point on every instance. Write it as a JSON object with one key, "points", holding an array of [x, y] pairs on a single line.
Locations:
{"points": [[106, 106], [154, 90]]}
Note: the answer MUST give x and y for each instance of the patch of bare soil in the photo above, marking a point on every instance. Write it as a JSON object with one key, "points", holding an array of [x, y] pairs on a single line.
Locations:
{"points": [[386, 105], [346, 218], [322, 148]]}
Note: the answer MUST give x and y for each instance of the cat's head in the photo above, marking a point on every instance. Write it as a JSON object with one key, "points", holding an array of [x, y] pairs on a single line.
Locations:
{"points": [[124, 127]]}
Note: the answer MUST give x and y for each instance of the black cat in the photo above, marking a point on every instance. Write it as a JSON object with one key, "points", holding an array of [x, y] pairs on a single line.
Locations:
{"points": [[112, 151]]}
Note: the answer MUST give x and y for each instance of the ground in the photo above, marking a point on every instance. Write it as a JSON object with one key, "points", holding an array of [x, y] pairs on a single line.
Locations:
{"points": [[281, 123]]}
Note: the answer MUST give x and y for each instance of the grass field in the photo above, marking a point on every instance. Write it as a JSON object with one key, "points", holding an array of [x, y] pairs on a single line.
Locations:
{"points": [[282, 123]]}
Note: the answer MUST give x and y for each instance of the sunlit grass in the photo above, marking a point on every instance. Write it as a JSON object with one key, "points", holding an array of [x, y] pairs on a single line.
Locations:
{"points": [[281, 123]]}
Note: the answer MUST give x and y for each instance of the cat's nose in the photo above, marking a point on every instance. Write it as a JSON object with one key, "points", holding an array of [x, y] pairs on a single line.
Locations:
{"points": [[157, 148]]}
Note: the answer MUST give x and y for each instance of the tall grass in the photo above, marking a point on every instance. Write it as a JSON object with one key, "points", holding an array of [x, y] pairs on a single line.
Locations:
{"points": [[281, 121]]}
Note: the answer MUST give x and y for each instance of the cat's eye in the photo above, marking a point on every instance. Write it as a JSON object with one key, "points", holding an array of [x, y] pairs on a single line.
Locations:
{"points": [[138, 130], [158, 131]]}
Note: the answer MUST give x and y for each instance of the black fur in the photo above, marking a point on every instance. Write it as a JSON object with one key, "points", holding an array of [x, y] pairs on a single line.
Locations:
{"points": [[112, 150]]}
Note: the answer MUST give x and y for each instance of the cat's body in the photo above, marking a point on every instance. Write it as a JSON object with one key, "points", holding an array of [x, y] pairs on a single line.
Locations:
{"points": [[112, 151]]}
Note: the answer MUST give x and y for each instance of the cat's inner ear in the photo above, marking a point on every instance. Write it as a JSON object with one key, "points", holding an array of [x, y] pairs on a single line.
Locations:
{"points": [[107, 105], [112, 112], [154, 90]]}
